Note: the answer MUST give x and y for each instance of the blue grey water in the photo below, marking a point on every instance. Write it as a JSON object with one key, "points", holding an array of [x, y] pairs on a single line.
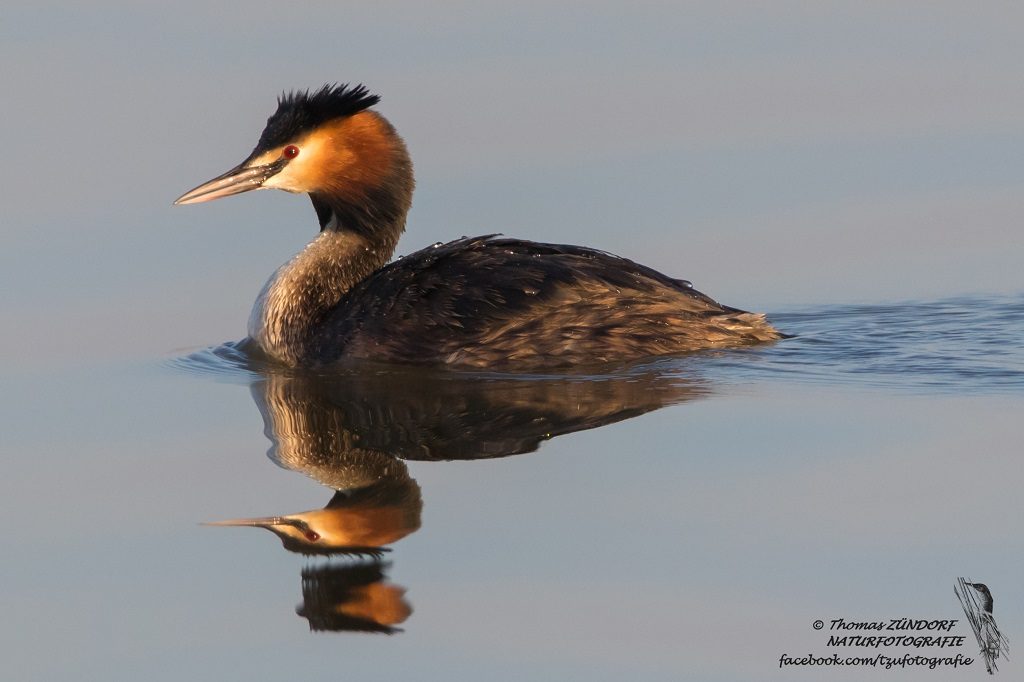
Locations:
{"points": [[851, 168], [680, 518]]}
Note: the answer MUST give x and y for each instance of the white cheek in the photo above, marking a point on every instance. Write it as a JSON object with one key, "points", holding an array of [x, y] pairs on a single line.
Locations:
{"points": [[298, 173], [285, 180]]}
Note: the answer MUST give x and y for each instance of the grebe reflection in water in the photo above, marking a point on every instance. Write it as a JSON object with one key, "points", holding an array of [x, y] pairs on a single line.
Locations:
{"points": [[351, 433]]}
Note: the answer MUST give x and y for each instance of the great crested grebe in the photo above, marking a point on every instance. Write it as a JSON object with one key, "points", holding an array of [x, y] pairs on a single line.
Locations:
{"points": [[484, 302]]}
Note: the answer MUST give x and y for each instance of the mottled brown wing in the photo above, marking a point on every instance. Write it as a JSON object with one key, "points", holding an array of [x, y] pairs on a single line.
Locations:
{"points": [[482, 301]]}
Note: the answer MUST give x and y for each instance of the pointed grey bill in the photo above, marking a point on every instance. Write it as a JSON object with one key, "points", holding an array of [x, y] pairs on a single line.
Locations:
{"points": [[241, 178], [265, 522]]}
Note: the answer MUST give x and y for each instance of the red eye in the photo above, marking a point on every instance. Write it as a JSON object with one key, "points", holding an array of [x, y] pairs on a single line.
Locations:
{"points": [[311, 535], [290, 152]]}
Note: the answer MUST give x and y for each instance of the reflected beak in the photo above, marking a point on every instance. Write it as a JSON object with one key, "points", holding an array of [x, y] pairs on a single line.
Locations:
{"points": [[241, 178], [265, 522]]}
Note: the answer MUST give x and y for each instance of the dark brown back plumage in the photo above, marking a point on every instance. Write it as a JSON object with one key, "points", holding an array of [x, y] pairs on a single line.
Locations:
{"points": [[492, 302]]}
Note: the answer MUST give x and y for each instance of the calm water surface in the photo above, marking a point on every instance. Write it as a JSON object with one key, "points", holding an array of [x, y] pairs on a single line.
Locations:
{"points": [[684, 518]]}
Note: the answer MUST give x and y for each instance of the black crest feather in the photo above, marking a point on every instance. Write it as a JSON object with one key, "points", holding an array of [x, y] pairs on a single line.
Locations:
{"points": [[301, 111]]}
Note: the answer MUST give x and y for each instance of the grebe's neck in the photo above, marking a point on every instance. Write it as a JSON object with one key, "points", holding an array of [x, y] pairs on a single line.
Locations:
{"points": [[299, 295], [362, 191]]}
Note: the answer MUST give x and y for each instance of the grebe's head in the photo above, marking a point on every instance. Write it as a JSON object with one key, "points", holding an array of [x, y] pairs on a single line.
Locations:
{"points": [[356, 529], [326, 143]]}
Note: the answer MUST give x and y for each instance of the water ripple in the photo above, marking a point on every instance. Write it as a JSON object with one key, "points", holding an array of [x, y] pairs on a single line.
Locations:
{"points": [[964, 344]]}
